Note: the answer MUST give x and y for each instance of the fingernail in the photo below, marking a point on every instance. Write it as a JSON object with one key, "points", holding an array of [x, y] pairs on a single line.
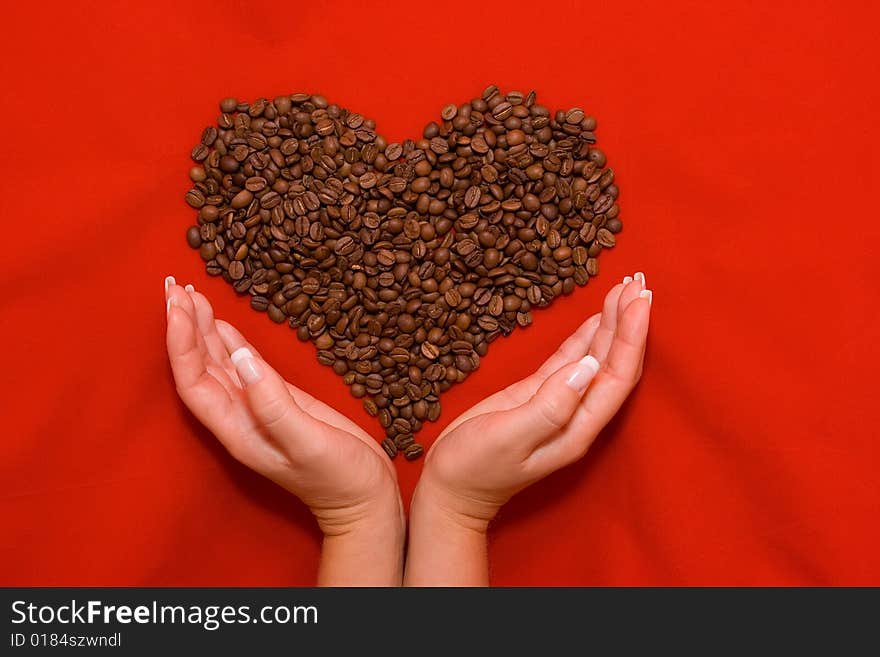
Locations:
{"points": [[647, 294], [627, 280], [168, 305], [640, 277], [169, 281], [583, 373], [245, 365], [189, 288]]}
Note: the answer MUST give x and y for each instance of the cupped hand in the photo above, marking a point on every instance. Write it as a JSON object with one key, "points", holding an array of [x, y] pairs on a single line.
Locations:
{"points": [[278, 430], [543, 422]]}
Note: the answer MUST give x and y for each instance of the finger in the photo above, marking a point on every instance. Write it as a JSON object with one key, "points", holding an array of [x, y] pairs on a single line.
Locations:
{"points": [[232, 339], [271, 404], [641, 278], [630, 293], [574, 347], [549, 409], [198, 388], [320, 411], [608, 323], [620, 370], [613, 383], [208, 328], [183, 300], [187, 361], [203, 393]]}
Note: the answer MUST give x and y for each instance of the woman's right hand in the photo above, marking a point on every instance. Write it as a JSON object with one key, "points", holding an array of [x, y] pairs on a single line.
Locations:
{"points": [[313, 451]]}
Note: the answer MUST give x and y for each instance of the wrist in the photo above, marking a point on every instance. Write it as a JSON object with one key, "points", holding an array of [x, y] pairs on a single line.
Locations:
{"points": [[447, 543], [381, 512], [451, 509], [363, 546]]}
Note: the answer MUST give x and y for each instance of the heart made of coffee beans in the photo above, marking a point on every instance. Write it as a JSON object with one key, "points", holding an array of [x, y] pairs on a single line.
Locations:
{"points": [[401, 261]]}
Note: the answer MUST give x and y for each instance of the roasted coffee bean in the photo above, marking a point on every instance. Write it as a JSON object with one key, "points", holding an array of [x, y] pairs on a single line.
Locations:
{"points": [[259, 303], [200, 152], [453, 297], [613, 225], [430, 351], [496, 305], [449, 111], [236, 270], [241, 200], [413, 452], [276, 314], [401, 262], [393, 152], [193, 237], [195, 198], [389, 447], [605, 237]]}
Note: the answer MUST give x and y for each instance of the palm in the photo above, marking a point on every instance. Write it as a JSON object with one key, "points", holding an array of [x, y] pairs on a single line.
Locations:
{"points": [[520, 392], [525, 431]]}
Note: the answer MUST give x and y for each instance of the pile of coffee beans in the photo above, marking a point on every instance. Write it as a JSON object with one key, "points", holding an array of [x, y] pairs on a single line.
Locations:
{"points": [[401, 261]]}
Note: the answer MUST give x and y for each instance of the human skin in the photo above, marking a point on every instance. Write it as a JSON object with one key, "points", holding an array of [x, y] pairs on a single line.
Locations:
{"points": [[520, 435], [338, 471]]}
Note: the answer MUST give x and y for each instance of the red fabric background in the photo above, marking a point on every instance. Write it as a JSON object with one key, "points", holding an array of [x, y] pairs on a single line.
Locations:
{"points": [[744, 139]]}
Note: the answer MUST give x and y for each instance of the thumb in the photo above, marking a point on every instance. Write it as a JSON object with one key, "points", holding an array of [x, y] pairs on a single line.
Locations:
{"points": [[551, 407], [272, 405]]}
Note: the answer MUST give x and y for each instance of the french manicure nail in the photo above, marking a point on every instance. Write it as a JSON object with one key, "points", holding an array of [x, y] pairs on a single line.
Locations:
{"points": [[169, 281], [640, 277], [647, 294], [168, 305], [583, 373], [627, 280], [189, 288], [245, 365]]}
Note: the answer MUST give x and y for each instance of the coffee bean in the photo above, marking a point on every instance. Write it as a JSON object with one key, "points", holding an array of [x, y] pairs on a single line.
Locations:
{"points": [[472, 197], [413, 452], [389, 447], [236, 270], [511, 303], [193, 237], [453, 297], [228, 105], [200, 152], [393, 152], [605, 237], [370, 407], [240, 200], [195, 198], [276, 314], [574, 116], [401, 262], [502, 110], [524, 319]]}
